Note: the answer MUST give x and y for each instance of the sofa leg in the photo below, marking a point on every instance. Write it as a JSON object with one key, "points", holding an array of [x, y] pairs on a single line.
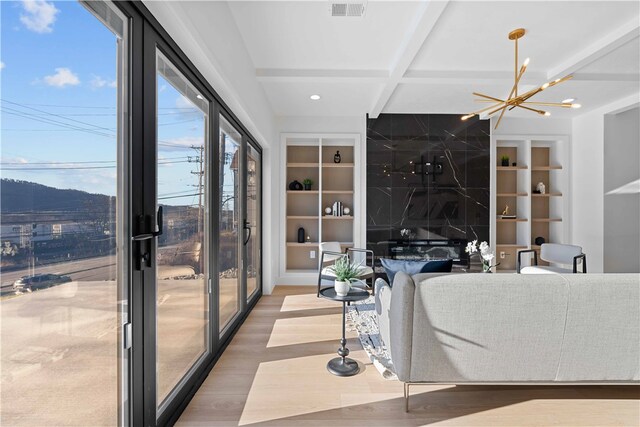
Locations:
{"points": [[406, 397]]}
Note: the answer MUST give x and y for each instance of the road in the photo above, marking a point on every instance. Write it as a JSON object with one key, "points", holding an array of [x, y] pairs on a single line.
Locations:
{"points": [[90, 269]]}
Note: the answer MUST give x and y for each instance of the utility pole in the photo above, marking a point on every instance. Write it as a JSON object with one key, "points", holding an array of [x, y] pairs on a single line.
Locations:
{"points": [[199, 159]]}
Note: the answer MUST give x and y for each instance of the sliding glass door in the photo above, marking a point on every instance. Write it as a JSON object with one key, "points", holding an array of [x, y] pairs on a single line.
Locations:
{"points": [[230, 226], [182, 195], [64, 296], [130, 218], [253, 222]]}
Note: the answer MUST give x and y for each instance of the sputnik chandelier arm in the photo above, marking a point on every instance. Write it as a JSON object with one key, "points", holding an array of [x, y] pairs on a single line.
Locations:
{"points": [[519, 101]]}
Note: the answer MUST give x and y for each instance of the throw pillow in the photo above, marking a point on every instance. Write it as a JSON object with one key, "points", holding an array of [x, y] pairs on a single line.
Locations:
{"points": [[392, 266]]}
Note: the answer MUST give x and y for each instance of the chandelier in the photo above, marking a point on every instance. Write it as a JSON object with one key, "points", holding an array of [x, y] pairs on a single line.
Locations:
{"points": [[515, 100]]}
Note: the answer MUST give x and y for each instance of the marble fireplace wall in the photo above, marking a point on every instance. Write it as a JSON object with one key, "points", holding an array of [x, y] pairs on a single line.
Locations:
{"points": [[453, 205]]}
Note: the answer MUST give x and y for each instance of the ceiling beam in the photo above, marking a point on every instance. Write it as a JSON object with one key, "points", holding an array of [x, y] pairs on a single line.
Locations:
{"points": [[597, 50], [426, 18], [289, 75]]}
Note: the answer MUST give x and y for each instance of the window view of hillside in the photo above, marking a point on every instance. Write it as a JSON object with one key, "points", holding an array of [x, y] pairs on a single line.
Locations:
{"points": [[61, 296]]}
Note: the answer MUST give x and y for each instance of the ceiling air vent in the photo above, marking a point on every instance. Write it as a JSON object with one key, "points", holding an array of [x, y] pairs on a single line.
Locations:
{"points": [[349, 8]]}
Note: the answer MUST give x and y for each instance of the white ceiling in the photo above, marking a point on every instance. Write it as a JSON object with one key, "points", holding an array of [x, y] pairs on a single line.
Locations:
{"points": [[427, 57]]}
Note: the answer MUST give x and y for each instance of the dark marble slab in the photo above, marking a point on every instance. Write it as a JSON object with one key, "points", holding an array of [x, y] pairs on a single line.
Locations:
{"points": [[451, 205]]}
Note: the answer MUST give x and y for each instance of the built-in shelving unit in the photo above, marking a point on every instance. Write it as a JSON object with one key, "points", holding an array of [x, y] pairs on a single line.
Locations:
{"points": [[538, 159], [312, 156]]}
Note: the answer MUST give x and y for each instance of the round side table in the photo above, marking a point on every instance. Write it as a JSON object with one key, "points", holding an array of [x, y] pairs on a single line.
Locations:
{"points": [[343, 366]]}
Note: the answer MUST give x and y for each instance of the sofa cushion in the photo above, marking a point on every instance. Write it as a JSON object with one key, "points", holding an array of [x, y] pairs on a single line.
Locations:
{"points": [[411, 267]]}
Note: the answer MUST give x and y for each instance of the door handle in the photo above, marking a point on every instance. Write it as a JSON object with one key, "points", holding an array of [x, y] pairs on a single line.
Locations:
{"points": [[247, 227], [143, 258]]}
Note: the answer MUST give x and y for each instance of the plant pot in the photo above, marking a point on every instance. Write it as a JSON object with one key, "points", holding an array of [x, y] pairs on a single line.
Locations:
{"points": [[505, 162], [342, 288], [307, 187]]}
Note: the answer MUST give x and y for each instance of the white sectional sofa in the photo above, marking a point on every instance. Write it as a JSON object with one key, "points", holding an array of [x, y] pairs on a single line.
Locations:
{"points": [[512, 329]]}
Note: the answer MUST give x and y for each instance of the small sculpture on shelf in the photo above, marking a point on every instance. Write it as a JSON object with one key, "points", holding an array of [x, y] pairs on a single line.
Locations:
{"points": [[337, 158], [540, 188], [346, 211], [300, 235], [327, 210], [505, 213], [539, 240]]}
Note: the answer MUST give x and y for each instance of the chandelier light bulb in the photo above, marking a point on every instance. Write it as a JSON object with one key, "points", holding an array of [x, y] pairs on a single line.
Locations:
{"points": [[568, 100], [526, 62], [576, 105], [547, 114], [544, 86]]}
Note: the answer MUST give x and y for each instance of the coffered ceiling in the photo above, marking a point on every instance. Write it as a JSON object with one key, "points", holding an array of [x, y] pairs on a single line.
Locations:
{"points": [[428, 56]]}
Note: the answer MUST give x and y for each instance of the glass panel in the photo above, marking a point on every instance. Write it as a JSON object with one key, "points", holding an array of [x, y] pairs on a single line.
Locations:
{"points": [[182, 298], [63, 214], [253, 220], [229, 253]]}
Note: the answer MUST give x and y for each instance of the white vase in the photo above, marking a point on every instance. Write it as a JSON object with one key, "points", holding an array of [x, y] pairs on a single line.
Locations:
{"points": [[342, 288]]}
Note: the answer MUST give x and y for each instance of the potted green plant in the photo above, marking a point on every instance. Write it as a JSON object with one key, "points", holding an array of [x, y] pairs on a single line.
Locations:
{"points": [[346, 273], [505, 160], [307, 184]]}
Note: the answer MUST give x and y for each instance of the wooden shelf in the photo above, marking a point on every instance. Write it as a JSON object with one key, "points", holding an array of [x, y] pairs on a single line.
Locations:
{"points": [[546, 195], [546, 168], [512, 194], [338, 192], [302, 192], [302, 217], [511, 168], [511, 219], [344, 217], [337, 165], [294, 244], [546, 220], [302, 165]]}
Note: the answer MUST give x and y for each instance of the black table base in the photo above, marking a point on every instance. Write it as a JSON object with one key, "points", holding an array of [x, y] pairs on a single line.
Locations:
{"points": [[343, 366]]}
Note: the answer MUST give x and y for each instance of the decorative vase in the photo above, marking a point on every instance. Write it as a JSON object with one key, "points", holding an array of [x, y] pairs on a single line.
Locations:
{"points": [[342, 288], [337, 158], [300, 235], [295, 186], [486, 268]]}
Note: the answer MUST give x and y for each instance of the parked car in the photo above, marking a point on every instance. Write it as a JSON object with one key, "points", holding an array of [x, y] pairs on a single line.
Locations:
{"points": [[39, 281]]}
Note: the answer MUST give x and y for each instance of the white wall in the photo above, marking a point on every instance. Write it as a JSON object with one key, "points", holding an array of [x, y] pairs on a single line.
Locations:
{"points": [[622, 208], [587, 176], [532, 126]]}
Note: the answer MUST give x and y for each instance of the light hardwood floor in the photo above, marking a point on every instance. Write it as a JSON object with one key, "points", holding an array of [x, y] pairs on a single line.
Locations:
{"points": [[274, 374]]}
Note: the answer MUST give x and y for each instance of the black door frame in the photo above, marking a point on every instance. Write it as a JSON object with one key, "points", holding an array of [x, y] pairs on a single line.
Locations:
{"points": [[145, 33]]}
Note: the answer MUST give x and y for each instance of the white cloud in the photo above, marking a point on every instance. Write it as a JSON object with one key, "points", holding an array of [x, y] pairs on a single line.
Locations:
{"points": [[39, 15], [63, 77], [98, 82]]}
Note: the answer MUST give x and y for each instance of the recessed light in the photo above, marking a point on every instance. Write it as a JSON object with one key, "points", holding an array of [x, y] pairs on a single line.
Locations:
{"points": [[568, 100], [315, 97]]}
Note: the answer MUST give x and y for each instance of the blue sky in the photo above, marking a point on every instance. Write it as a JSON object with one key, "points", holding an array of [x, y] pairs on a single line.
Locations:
{"points": [[59, 104]]}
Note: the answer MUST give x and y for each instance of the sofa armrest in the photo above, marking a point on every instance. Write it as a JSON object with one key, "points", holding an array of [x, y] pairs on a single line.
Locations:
{"points": [[401, 324], [383, 304]]}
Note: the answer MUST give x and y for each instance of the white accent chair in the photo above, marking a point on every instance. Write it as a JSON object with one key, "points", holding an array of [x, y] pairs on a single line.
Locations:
{"points": [[555, 253], [330, 252]]}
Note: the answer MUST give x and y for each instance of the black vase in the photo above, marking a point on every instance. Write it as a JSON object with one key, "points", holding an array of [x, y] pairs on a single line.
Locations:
{"points": [[337, 158], [300, 235], [295, 186]]}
